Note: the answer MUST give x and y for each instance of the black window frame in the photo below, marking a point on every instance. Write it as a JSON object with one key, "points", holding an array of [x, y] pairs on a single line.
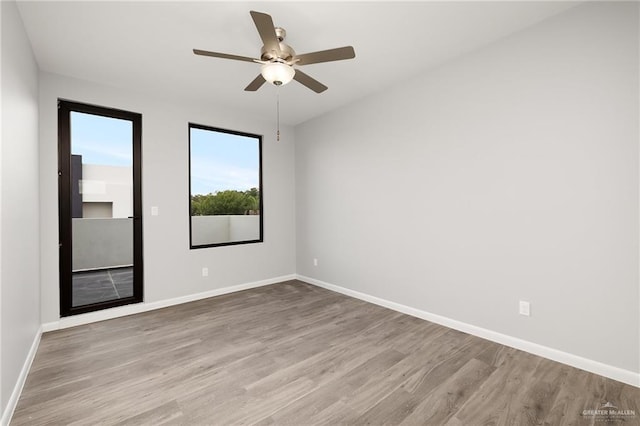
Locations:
{"points": [[65, 108], [260, 187]]}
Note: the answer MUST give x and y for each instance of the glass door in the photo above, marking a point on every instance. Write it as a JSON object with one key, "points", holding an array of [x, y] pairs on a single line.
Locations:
{"points": [[100, 209]]}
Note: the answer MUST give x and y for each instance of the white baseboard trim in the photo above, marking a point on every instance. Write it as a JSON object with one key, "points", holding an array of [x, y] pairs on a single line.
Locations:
{"points": [[137, 308], [22, 378], [615, 373]]}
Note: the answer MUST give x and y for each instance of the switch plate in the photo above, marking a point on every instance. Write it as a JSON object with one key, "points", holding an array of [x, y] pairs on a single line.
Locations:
{"points": [[525, 308], [315, 262], [205, 272], [154, 211]]}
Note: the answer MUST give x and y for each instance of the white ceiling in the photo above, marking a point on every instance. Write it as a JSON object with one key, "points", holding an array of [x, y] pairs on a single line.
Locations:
{"points": [[147, 46]]}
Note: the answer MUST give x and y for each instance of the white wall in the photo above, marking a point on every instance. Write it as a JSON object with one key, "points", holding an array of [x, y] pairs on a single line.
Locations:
{"points": [[101, 243], [224, 228], [510, 174], [170, 269], [245, 227], [19, 223], [210, 229], [113, 184]]}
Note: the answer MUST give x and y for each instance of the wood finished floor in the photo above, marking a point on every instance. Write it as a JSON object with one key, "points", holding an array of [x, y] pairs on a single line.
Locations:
{"points": [[295, 354]]}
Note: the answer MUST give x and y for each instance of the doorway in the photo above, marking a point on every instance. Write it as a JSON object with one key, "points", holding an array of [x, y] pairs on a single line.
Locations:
{"points": [[100, 207]]}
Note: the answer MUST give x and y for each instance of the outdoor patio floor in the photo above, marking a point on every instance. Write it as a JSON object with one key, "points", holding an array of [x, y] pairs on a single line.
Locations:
{"points": [[102, 285]]}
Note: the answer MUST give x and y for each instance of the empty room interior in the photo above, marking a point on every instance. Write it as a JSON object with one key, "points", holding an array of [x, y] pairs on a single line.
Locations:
{"points": [[305, 213]]}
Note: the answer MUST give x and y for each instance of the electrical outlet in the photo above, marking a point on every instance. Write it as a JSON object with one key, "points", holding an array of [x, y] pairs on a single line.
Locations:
{"points": [[315, 262], [205, 272], [525, 308]]}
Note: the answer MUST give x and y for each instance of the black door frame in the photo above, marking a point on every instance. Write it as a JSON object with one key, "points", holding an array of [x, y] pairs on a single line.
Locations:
{"points": [[65, 108]]}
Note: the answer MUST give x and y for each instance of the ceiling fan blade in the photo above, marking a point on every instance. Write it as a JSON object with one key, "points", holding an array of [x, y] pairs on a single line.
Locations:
{"points": [[223, 55], [267, 31], [310, 82], [330, 55], [255, 84]]}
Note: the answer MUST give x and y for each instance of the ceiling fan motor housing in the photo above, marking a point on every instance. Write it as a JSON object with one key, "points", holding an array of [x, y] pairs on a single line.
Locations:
{"points": [[286, 52]]}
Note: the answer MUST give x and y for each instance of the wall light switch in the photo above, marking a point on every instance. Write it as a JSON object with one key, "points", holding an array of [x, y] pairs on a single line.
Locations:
{"points": [[315, 262], [525, 308], [205, 272], [154, 211]]}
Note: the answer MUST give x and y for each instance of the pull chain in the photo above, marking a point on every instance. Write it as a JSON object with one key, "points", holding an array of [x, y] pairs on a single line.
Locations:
{"points": [[278, 112]]}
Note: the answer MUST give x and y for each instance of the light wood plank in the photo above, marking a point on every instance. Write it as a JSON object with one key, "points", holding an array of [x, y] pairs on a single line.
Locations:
{"points": [[295, 354]]}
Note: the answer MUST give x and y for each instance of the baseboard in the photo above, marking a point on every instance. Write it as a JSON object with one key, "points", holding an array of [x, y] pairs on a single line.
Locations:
{"points": [[17, 389], [137, 308], [615, 373]]}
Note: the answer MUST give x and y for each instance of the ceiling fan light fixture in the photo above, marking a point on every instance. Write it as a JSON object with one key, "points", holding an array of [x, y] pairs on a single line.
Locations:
{"points": [[277, 73]]}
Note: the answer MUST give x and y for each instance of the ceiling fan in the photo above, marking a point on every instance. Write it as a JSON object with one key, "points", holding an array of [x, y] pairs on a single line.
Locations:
{"points": [[278, 59]]}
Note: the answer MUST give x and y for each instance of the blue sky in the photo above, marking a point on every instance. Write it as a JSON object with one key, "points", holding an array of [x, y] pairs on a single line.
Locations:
{"points": [[219, 161], [101, 140]]}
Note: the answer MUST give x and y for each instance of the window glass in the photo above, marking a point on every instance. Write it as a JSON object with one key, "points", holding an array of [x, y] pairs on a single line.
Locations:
{"points": [[225, 187]]}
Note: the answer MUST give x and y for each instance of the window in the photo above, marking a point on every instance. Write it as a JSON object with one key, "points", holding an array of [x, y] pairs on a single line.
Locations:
{"points": [[99, 207], [225, 187]]}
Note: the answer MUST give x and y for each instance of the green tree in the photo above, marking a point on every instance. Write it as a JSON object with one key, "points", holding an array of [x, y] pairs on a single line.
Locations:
{"points": [[254, 195], [228, 202]]}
